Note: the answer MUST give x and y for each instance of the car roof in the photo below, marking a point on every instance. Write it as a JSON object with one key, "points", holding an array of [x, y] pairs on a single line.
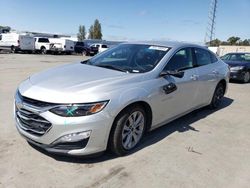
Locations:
{"points": [[171, 44]]}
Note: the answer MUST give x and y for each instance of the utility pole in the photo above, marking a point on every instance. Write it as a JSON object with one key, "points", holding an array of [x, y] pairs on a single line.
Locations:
{"points": [[210, 32]]}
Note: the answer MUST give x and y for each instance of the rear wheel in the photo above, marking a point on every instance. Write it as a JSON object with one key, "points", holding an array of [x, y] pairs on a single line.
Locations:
{"points": [[43, 50], [246, 77], [128, 130], [217, 97]]}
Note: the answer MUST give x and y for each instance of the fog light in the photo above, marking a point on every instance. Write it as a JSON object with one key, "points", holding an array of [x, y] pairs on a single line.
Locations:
{"points": [[73, 137]]}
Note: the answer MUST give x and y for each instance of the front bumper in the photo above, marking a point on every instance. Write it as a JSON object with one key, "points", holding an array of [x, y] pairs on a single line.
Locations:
{"points": [[97, 125], [237, 75]]}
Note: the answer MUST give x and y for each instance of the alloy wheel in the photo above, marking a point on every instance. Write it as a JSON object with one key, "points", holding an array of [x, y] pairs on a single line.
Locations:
{"points": [[246, 77], [219, 93], [133, 130]]}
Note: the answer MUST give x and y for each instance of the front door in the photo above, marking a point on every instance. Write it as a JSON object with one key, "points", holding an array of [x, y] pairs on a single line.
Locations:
{"points": [[169, 105]]}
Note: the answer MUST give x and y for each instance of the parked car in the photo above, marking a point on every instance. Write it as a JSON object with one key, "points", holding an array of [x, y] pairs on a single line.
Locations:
{"points": [[42, 45], [239, 66], [101, 47], [59, 45], [81, 47], [112, 99], [17, 42]]}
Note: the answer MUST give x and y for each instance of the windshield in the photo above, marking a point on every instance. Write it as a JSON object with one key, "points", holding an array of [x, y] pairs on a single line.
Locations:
{"points": [[237, 57], [133, 58]]}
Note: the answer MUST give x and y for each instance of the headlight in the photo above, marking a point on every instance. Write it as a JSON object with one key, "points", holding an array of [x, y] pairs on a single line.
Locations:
{"points": [[76, 110], [237, 68]]}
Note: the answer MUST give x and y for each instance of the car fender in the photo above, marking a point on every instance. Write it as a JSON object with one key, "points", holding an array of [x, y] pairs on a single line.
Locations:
{"points": [[128, 97]]}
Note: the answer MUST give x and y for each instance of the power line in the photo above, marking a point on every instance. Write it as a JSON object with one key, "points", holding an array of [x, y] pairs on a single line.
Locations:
{"points": [[210, 31]]}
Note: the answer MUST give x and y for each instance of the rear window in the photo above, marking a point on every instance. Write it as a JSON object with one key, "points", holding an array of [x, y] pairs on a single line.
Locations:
{"points": [[46, 40], [80, 43]]}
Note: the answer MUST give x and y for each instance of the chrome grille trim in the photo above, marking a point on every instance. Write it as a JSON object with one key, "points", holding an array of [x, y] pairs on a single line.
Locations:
{"points": [[32, 123], [28, 116], [33, 119]]}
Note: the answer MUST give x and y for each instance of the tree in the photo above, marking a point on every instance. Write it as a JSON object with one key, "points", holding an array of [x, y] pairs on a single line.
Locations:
{"points": [[81, 34], [95, 31], [244, 43], [91, 32], [233, 40], [215, 42], [4, 29]]}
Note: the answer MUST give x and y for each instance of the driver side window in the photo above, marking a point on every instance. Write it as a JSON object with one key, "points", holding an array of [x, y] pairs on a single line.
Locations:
{"points": [[182, 60]]}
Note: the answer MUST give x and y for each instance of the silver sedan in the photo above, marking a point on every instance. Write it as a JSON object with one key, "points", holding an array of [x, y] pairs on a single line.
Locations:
{"points": [[112, 99]]}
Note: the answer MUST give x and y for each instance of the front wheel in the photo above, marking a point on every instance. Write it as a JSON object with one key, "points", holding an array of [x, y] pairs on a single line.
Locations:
{"points": [[85, 53], [217, 97], [12, 49], [246, 77], [128, 130]]}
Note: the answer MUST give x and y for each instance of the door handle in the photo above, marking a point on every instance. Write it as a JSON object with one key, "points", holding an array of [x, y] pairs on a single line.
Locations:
{"points": [[215, 72], [194, 77], [169, 88]]}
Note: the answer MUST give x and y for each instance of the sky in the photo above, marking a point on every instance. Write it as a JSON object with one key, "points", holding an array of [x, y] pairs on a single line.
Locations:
{"points": [[180, 20]]}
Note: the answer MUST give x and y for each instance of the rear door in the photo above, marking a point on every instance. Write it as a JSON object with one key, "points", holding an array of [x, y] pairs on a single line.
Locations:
{"points": [[208, 72]]}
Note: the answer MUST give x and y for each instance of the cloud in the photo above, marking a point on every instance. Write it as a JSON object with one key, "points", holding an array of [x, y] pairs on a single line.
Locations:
{"points": [[118, 38], [115, 26], [143, 13], [188, 22]]}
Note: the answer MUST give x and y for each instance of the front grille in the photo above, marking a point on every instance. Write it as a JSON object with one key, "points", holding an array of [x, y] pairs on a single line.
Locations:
{"points": [[36, 103], [32, 123]]}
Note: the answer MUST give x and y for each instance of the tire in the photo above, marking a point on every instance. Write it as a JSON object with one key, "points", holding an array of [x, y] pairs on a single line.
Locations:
{"points": [[217, 97], [12, 50], [126, 133], [85, 53], [246, 77], [43, 50]]}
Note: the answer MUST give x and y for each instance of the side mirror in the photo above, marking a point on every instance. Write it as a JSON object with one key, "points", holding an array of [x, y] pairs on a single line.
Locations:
{"points": [[178, 74]]}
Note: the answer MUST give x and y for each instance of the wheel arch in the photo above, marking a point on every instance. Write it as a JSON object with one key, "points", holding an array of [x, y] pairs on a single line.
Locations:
{"points": [[42, 47], [145, 106], [224, 83]]}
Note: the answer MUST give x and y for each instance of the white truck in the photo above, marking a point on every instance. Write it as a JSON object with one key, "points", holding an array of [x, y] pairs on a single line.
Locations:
{"points": [[17, 42], [101, 47], [60, 45], [42, 45]]}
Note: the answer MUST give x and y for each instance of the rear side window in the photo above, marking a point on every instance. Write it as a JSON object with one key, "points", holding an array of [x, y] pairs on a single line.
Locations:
{"points": [[43, 40], [213, 57], [182, 60], [202, 57]]}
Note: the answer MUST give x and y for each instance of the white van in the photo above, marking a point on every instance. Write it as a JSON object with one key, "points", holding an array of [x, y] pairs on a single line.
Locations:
{"points": [[17, 42], [60, 45], [42, 44]]}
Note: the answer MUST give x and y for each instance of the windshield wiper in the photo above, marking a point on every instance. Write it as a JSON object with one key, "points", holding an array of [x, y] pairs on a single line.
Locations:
{"points": [[111, 67]]}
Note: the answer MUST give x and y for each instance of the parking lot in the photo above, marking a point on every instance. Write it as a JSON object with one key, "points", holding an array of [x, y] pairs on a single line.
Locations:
{"points": [[203, 149]]}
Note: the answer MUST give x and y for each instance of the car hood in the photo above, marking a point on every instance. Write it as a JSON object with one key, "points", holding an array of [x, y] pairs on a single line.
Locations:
{"points": [[236, 63], [75, 83]]}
